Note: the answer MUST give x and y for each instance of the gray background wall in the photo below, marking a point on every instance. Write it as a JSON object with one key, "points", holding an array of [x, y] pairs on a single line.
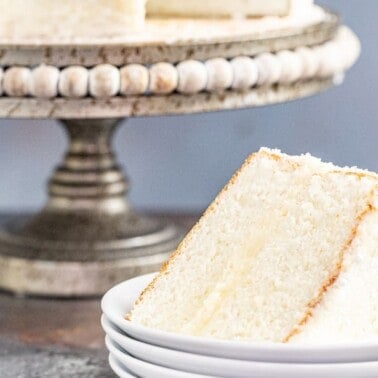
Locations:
{"points": [[181, 162]]}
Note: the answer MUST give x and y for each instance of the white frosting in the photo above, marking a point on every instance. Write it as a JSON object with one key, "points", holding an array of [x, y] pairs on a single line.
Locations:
{"points": [[348, 311], [134, 79], [192, 77], [16, 81], [70, 18], [104, 81], [73, 82], [220, 74], [214, 8], [301, 7], [115, 26]]}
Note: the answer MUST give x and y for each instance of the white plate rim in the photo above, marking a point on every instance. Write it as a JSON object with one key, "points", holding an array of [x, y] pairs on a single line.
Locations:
{"points": [[139, 367], [174, 359], [200, 364], [233, 349], [262, 370], [118, 368]]}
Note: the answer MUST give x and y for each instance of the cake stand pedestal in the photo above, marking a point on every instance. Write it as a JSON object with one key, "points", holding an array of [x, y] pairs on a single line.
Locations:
{"points": [[87, 237]]}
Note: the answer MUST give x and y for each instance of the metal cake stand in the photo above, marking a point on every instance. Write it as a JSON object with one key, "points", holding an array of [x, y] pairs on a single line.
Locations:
{"points": [[87, 237]]}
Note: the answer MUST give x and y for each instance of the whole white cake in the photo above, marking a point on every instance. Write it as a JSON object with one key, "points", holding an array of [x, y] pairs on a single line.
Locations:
{"points": [[34, 18], [211, 8], [287, 252], [109, 18]]}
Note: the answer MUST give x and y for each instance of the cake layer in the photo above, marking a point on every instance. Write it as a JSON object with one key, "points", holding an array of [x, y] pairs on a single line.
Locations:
{"points": [[266, 253], [39, 18], [214, 8]]}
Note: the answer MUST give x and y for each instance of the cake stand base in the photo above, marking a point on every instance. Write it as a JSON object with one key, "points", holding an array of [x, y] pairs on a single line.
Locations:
{"points": [[80, 268], [87, 238]]}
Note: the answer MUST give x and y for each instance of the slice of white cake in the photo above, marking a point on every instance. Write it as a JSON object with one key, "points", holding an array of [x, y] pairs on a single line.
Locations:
{"points": [[287, 252], [214, 8], [76, 18]]}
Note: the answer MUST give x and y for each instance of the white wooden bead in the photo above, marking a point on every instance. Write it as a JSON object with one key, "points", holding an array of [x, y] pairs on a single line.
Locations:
{"points": [[338, 57], [16, 81], [355, 51], [1, 80], [73, 82], [338, 79], [328, 60], [104, 81], [163, 78], [134, 79], [310, 62], [348, 56], [318, 53], [245, 72], [291, 66], [344, 48], [349, 47], [192, 77], [44, 82], [220, 74], [269, 68]]}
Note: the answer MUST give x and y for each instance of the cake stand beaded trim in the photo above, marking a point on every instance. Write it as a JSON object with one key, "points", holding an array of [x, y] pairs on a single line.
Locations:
{"points": [[186, 77], [87, 237]]}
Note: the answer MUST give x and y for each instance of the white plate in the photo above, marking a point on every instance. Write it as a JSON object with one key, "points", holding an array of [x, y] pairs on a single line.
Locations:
{"points": [[232, 368], [173, 359], [118, 301], [257, 370], [145, 369], [119, 369]]}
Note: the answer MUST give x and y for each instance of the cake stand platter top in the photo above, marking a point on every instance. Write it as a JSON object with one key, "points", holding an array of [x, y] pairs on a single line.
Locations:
{"points": [[174, 40], [183, 66]]}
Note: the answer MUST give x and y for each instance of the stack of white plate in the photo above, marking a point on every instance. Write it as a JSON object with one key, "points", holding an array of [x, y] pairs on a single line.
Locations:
{"points": [[137, 351]]}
